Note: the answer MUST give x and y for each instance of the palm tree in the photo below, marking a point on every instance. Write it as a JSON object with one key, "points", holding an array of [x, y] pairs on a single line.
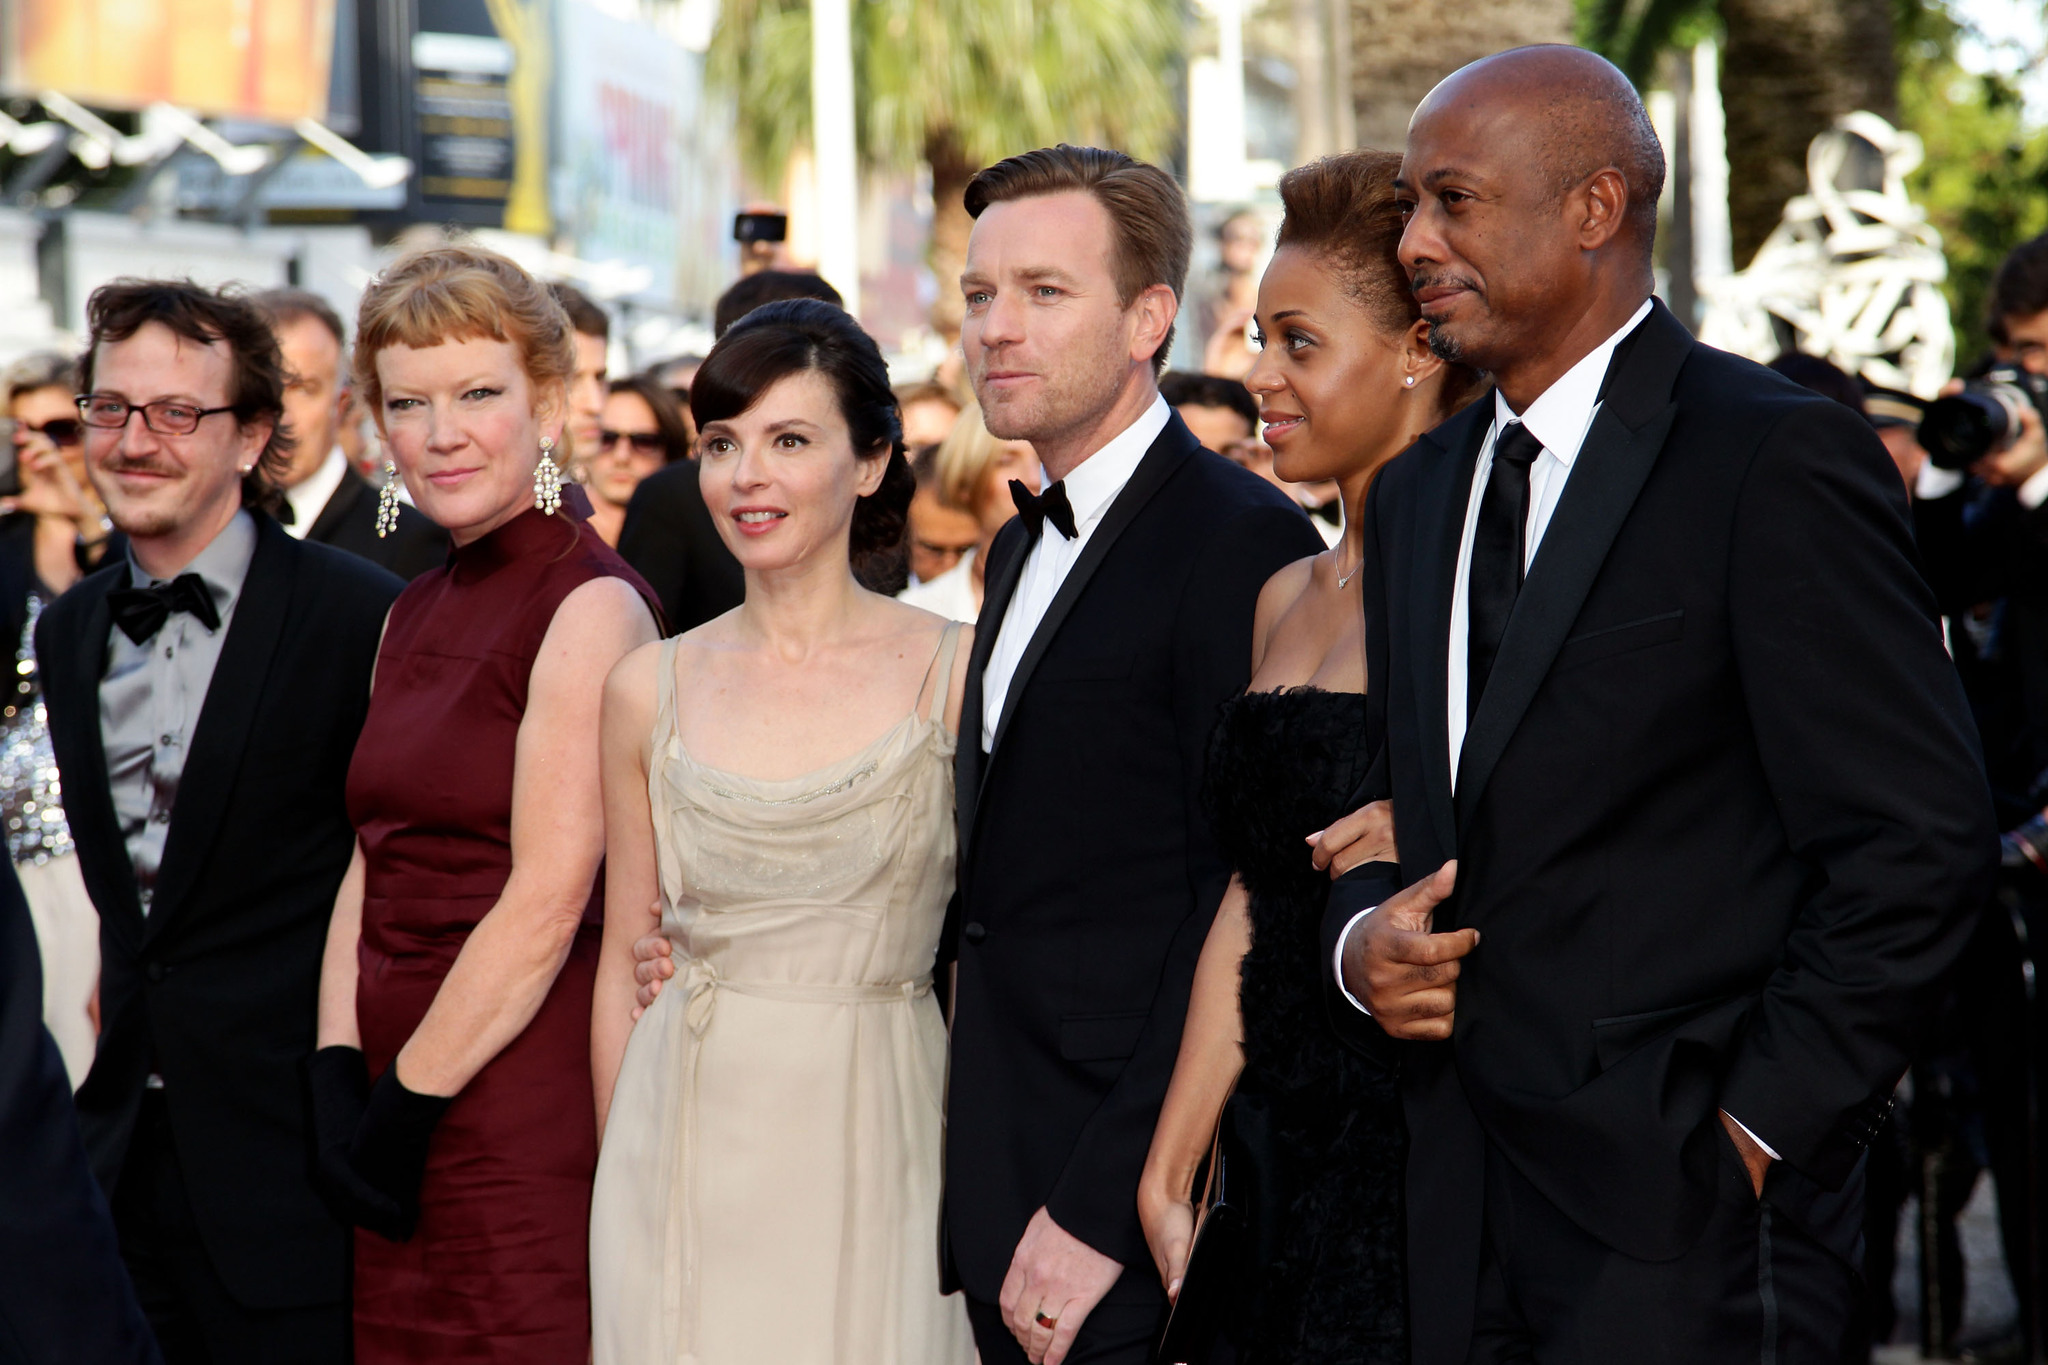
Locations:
{"points": [[1789, 69], [957, 84], [1400, 49]]}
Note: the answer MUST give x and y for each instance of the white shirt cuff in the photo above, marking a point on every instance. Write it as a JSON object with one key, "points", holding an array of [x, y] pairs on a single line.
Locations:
{"points": [[1935, 482], [1768, 1151], [1357, 1004], [2034, 491]]}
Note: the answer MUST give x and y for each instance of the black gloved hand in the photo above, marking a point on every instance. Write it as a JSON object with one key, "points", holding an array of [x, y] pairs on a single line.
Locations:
{"points": [[340, 1086], [389, 1153]]}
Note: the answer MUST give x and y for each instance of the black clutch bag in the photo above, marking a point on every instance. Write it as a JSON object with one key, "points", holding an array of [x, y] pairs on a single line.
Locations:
{"points": [[1234, 1238]]}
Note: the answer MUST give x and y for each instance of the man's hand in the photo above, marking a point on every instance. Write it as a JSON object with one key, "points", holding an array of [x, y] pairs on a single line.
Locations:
{"points": [[1364, 836], [652, 965], [1055, 1277], [1755, 1159], [2020, 461], [1406, 975]]}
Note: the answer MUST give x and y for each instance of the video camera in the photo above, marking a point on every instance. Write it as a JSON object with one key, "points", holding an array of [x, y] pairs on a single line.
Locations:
{"points": [[1983, 419]]}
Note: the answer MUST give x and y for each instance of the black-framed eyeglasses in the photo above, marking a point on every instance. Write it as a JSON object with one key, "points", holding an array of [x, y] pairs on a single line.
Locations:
{"points": [[61, 431], [163, 417], [643, 442]]}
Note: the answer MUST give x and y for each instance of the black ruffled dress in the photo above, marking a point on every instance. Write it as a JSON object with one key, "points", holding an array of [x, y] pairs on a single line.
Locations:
{"points": [[1329, 1287]]}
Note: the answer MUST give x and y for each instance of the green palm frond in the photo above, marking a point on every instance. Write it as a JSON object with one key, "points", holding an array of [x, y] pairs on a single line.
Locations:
{"points": [[990, 76]]}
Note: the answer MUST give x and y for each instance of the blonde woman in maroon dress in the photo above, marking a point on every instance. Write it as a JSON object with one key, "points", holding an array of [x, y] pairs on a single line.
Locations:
{"points": [[452, 1089]]}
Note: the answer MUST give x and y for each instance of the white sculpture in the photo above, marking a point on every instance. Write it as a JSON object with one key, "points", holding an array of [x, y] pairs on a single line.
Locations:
{"points": [[1852, 273]]}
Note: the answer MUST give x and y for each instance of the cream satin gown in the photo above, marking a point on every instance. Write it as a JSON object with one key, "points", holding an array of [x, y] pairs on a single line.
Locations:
{"points": [[768, 1188]]}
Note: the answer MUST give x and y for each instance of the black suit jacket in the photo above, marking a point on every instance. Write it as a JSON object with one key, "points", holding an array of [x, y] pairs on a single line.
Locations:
{"points": [[64, 1294], [1719, 817], [1088, 876], [349, 522], [669, 537], [216, 989]]}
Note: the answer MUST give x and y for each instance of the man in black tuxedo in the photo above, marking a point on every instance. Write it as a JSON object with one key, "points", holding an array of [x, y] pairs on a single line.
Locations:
{"points": [[205, 692], [1689, 809], [668, 535], [65, 1295], [324, 499], [1118, 619]]}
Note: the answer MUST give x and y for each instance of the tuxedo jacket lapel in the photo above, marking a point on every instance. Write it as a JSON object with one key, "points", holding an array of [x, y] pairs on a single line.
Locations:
{"points": [[1440, 519], [1006, 566], [1173, 445], [225, 718], [340, 503], [88, 800], [1620, 450]]}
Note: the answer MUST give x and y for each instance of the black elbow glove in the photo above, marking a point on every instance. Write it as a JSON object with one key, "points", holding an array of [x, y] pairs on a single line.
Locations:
{"points": [[369, 1144], [389, 1153], [340, 1085]]}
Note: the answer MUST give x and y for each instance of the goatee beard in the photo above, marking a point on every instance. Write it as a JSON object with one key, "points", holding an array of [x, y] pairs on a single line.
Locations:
{"points": [[1444, 345]]}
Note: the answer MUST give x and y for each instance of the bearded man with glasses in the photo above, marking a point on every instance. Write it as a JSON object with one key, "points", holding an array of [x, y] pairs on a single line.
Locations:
{"points": [[204, 691]]}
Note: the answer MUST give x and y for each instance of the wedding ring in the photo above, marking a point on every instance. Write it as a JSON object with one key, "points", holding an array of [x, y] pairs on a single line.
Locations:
{"points": [[1043, 1321]]}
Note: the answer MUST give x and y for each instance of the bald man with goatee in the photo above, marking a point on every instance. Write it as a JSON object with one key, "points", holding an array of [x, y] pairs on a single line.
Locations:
{"points": [[1689, 807]]}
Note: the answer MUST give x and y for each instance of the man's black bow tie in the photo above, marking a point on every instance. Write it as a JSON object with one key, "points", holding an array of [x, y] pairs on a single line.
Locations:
{"points": [[141, 612], [1039, 508]]}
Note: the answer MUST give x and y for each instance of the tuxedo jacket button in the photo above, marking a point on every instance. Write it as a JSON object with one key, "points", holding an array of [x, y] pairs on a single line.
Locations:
{"points": [[154, 971], [974, 931]]}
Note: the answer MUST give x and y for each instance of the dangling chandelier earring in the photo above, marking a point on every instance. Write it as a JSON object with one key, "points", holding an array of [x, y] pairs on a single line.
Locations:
{"points": [[387, 501], [547, 479]]}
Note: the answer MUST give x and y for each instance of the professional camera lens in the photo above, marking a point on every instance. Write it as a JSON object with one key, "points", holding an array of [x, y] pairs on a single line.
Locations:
{"points": [[1962, 429]]}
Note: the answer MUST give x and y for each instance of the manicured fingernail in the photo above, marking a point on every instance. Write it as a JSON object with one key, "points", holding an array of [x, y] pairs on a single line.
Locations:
{"points": [[1317, 835]]}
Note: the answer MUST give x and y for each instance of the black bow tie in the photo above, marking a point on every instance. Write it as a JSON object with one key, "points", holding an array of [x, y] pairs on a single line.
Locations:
{"points": [[141, 612], [1039, 508]]}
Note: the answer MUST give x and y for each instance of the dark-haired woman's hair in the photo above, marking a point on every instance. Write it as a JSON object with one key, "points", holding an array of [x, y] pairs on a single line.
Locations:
{"points": [[1343, 209], [793, 336], [668, 413]]}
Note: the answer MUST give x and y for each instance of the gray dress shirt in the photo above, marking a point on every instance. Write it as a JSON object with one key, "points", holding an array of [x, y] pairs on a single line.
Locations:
{"points": [[151, 697]]}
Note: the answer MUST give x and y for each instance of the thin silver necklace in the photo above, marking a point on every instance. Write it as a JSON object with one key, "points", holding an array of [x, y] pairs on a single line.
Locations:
{"points": [[1345, 578]]}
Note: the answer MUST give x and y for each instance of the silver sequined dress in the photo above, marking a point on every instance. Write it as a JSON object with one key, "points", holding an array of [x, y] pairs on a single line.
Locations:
{"points": [[31, 794]]}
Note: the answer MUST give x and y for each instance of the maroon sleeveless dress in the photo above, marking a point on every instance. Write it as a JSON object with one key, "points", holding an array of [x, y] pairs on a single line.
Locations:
{"points": [[498, 1270]]}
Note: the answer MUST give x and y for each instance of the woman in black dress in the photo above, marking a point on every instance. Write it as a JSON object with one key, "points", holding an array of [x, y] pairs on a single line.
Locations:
{"points": [[1345, 381]]}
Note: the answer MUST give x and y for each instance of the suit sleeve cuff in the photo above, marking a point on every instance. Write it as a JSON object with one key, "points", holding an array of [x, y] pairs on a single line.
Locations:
{"points": [[1769, 1151], [1343, 938]]}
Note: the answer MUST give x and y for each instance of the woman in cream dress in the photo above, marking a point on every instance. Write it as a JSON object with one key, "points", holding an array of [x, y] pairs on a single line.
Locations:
{"points": [[779, 783]]}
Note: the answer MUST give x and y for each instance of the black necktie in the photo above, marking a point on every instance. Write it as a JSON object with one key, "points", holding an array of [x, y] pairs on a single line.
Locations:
{"points": [[1039, 508], [141, 612], [285, 515], [1498, 553]]}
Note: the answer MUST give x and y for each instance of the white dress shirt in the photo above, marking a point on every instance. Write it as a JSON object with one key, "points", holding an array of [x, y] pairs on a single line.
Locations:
{"points": [[1091, 488], [1560, 418], [308, 498], [950, 595]]}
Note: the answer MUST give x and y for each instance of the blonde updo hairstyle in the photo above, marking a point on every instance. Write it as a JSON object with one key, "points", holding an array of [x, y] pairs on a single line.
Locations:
{"points": [[964, 459], [462, 293]]}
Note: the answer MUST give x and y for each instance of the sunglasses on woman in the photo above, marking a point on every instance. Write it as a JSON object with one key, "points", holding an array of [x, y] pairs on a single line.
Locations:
{"points": [[643, 442], [61, 431]]}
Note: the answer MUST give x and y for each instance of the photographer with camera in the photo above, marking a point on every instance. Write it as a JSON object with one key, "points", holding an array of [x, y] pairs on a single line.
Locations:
{"points": [[1981, 519]]}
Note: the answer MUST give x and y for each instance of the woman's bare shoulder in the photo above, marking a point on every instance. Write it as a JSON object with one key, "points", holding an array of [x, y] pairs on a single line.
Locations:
{"points": [[1278, 597]]}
